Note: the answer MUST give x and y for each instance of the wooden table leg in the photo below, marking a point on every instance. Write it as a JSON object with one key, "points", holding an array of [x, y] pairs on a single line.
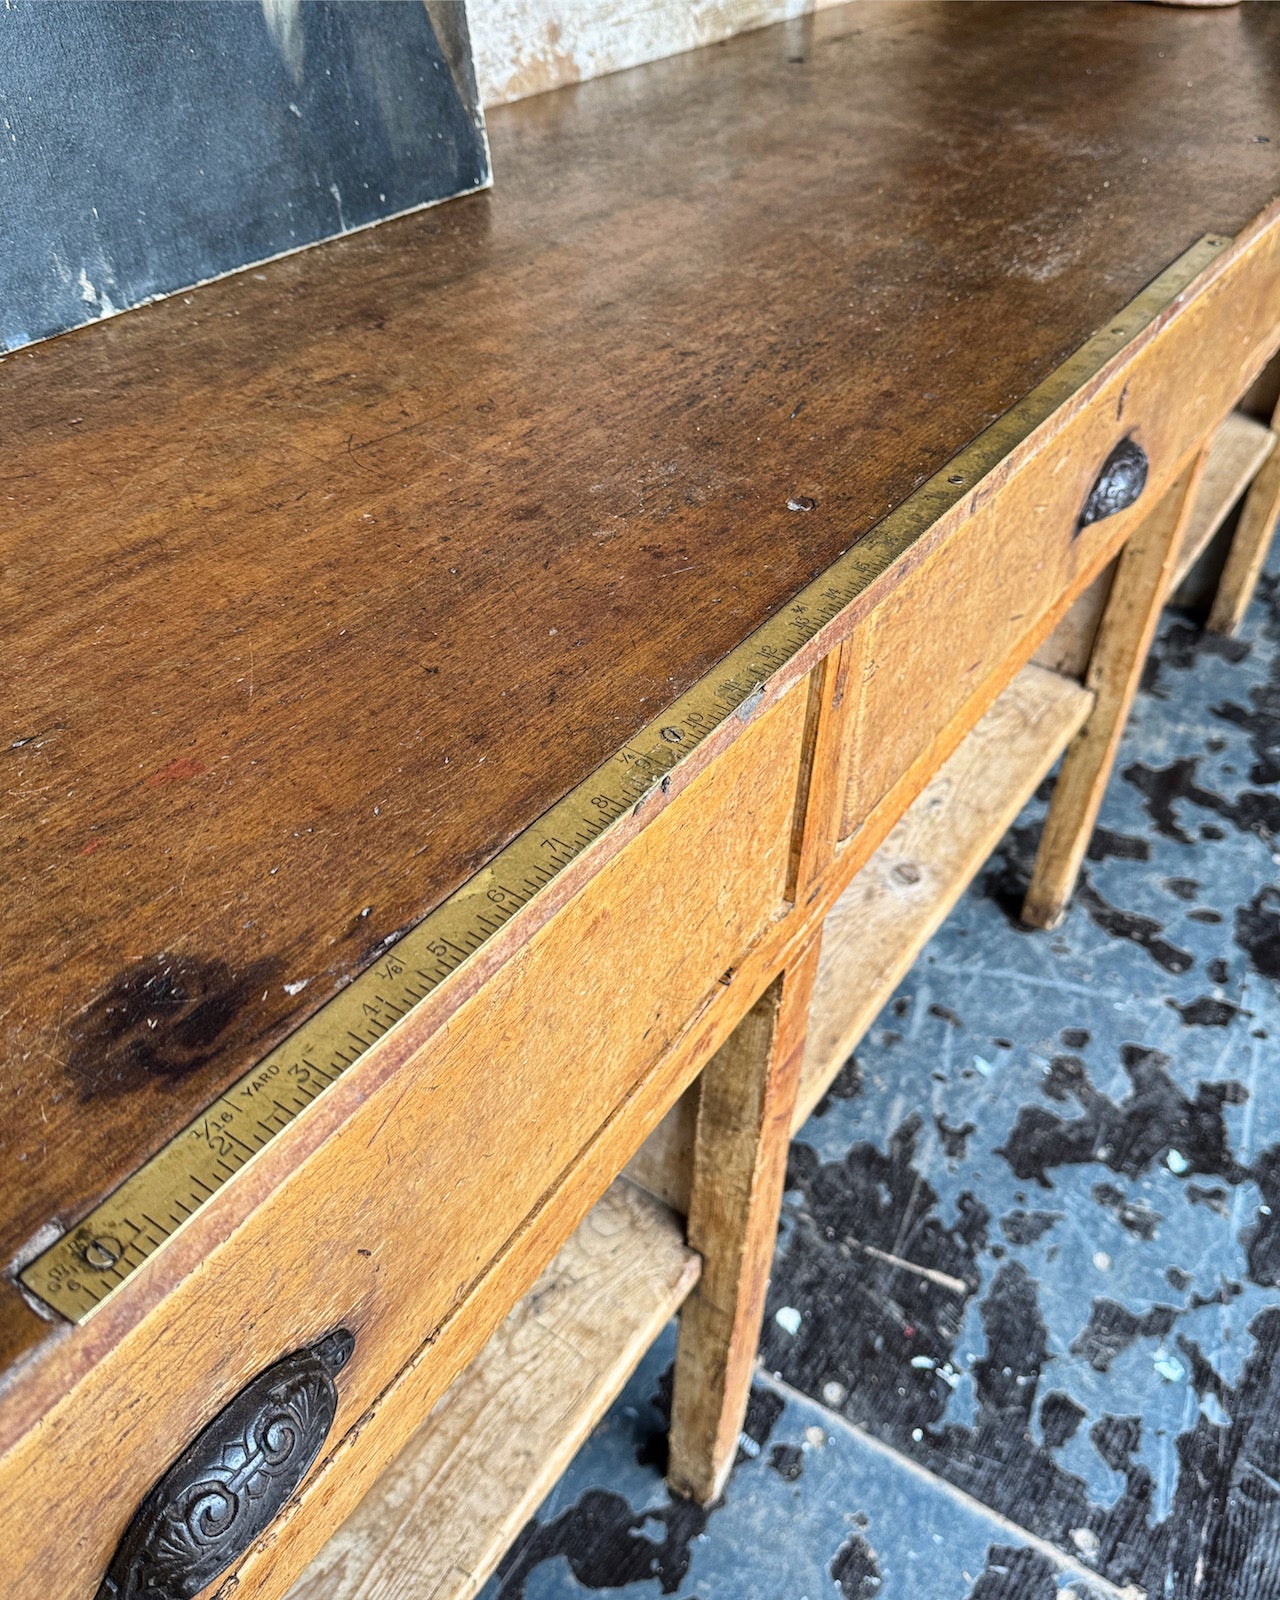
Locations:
{"points": [[1115, 668], [746, 1097], [1249, 545]]}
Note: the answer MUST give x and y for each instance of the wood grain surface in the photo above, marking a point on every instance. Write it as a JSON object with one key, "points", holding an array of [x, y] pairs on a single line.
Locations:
{"points": [[1236, 452], [1249, 544], [322, 582]]}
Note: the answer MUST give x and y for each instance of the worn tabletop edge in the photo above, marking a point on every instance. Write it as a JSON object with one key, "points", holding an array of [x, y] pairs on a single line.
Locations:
{"points": [[506, 901]]}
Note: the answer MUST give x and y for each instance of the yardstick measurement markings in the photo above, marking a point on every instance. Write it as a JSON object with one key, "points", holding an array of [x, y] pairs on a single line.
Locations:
{"points": [[89, 1263]]}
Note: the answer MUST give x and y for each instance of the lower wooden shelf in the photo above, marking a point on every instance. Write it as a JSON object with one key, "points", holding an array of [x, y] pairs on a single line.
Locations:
{"points": [[900, 898], [439, 1519], [1239, 448]]}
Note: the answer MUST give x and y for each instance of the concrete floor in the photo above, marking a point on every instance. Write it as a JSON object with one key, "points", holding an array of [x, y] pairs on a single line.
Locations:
{"points": [[1069, 1384]]}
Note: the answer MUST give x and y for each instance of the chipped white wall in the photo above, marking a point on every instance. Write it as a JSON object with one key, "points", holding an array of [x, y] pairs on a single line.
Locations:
{"points": [[524, 46]]}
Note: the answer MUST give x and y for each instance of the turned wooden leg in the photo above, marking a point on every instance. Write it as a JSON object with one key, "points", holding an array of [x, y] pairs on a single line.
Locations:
{"points": [[746, 1096], [1115, 668], [1249, 547]]}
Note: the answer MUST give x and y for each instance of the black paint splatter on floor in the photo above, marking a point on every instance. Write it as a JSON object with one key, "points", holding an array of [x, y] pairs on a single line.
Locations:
{"points": [[1030, 1248]]}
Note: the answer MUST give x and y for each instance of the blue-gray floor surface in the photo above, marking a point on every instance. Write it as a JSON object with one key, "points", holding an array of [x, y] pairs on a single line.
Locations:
{"points": [[1023, 1336]]}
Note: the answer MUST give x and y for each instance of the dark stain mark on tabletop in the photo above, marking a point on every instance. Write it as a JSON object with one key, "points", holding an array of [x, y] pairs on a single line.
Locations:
{"points": [[161, 1019]]}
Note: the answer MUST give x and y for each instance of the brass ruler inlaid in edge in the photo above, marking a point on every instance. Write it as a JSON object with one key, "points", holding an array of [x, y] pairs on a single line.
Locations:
{"points": [[90, 1262]]}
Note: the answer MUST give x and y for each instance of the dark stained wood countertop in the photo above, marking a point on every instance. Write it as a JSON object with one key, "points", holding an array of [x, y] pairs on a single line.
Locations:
{"points": [[322, 582]]}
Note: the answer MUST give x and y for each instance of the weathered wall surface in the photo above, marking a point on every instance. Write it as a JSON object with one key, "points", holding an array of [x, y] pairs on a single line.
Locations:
{"points": [[525, 46]]}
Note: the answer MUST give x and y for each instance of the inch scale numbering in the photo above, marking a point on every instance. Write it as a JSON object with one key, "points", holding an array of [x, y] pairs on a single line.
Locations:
{"points": [[88, 1264]]}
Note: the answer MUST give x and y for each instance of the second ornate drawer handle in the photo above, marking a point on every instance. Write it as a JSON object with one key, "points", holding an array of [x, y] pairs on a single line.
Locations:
{"points": [[228, 1484], [1121, 481]]}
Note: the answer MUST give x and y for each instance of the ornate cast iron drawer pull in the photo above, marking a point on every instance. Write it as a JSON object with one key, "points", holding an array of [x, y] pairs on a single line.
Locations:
{"points": [[1121, 481], [228, 1484]]}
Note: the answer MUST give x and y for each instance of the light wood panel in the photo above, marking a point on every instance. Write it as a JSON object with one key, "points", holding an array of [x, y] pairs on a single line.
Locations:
{"points": [[437, 1521], [1236, 452], [964, 607], [900, 898], [663, 1165], [1249, 544], [1068, 647]]}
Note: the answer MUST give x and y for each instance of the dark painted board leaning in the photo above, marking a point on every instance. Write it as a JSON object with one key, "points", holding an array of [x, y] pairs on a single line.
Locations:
{"points": [[151, 146]]}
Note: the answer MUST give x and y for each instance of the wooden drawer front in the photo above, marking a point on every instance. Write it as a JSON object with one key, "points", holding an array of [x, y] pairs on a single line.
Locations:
{"points": [[390, 1225], [924, 656], [936, 650]]}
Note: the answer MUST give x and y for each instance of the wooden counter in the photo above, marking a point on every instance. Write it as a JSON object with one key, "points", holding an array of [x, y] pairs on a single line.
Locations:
{"points": [[324, 582]]}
